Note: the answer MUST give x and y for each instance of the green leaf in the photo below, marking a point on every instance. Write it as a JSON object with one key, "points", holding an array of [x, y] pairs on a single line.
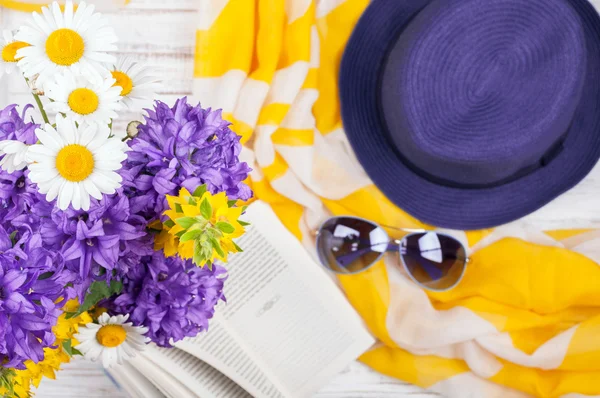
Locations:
{"points": [[198, 259], [178, 208], [191, 235], [45, 276], [201, 190], [185, 222], [97, 292], [13, 237], [169, 223], [69, 349], [7, 381], [217, 246], [225, 227], [239, 249], [243, 223], [214, 233], [231, 203], [202, 252], [206, 209]]}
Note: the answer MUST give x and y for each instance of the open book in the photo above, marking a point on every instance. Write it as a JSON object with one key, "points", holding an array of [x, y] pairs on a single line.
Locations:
{"points": [[285, 330]]}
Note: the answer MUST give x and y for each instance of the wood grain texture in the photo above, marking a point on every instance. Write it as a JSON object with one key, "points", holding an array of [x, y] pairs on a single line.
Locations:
{"points": [[161, 34], [82, 378]]}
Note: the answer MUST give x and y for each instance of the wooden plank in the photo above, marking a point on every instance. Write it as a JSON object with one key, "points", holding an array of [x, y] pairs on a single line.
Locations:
{"points": [[163, 5], [174, 72], [173, 32], [359, 381], [79, 379]]}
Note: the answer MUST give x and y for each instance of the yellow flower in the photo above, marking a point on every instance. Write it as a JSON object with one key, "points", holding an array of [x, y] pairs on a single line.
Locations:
{"points": [[200, 227], [96, 312], [53, 357], [167, 242]]}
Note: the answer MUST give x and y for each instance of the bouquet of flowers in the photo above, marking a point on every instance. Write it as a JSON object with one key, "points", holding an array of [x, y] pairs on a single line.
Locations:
{"points": [[109, 239]]}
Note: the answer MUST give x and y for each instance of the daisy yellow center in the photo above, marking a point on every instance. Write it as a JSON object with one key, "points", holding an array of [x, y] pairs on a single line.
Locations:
{"points": [[123, 81], [64, 47], [111, 335], [83, 101], [9, 52], [75, 163]]}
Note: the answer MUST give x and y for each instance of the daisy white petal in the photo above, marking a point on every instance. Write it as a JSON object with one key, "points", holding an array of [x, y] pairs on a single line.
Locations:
{"points": [[49, 138], [65, 197], [85, 197], [14, 154], [76, 197], [92, 190], [55, 189]]}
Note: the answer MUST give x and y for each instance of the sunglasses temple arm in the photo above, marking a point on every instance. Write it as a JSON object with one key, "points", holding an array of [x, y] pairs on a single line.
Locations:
{"points": [[410, 230]]}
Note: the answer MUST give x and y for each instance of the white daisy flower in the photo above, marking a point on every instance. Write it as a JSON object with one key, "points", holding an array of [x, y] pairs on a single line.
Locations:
{"points": [[112, 339], [76, 40], [15, 155], [82, 99], [8, 52], [74, 163], [136, 82]]}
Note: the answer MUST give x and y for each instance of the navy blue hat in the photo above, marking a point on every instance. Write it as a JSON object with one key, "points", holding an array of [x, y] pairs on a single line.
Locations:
{"points": [[469, 114]]}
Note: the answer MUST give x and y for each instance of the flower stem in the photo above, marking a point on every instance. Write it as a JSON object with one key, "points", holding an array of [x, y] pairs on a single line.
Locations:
{"points": [[41, 106], [38, 102]]}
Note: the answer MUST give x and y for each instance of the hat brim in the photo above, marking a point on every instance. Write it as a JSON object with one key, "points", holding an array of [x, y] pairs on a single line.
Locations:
{"points": [[443, 206]]}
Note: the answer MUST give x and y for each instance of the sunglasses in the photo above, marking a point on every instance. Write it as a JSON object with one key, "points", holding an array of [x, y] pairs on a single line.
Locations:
{"points": [[349, 245]]}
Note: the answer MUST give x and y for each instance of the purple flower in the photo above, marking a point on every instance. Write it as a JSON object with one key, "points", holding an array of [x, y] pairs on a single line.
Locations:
{"points": [[101, 243], [17, 194], [172, 297], [13, 126], [31, 282], [183, 146]]}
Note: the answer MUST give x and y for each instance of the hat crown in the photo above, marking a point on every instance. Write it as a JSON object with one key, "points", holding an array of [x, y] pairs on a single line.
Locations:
{"points": [[479, 92]]}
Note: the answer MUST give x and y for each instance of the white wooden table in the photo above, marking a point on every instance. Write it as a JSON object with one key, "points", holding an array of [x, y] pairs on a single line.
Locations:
{"points": [[162, 33], [86, 379]]}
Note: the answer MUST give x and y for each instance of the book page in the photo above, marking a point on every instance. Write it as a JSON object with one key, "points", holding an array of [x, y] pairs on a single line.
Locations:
{"points": [[170, 386], [133, 382], [289, 314], [218, 348], [198, 376]]}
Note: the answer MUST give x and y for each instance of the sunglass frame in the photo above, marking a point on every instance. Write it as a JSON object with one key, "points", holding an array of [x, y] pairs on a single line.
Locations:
{"points": [[396, 245]]}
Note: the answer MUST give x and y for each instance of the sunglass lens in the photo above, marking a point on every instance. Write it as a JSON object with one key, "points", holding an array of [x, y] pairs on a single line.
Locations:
{"points": [[436, 262], [349, 245]]}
